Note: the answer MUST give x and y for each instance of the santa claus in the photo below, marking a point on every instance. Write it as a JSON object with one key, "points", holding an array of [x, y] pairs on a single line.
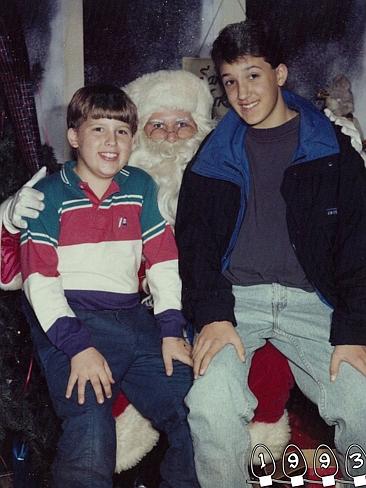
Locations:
{"points": [[175, 115], [174, 109]]}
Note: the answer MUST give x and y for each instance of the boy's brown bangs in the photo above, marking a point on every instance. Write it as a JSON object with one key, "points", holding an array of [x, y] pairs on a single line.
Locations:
{"points": [[101, 101], [123, 114], [109, 113]]}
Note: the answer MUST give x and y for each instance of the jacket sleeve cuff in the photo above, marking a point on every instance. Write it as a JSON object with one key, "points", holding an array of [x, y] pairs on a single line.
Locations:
{"points": [[347, 330], [216, 309], [171, 323]]}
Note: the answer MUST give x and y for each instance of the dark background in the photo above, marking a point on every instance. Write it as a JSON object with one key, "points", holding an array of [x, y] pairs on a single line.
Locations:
{"points": [[321, 38], [124, 39]]}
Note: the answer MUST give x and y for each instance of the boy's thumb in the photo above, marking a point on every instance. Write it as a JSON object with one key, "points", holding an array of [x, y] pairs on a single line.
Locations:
{"points": [[240, 350], [168, 363], [334, 368], [41, 173]]}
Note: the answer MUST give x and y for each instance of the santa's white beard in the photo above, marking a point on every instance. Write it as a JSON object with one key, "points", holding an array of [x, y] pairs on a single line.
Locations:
{"points": [[165, 162]]}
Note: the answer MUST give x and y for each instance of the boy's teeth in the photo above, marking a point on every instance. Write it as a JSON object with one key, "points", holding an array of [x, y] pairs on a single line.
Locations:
{"points": [[250, 105], [109, 155]]}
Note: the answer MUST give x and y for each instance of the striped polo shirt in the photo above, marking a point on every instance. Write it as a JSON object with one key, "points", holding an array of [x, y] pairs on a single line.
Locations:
{"points": [[84, 253]]}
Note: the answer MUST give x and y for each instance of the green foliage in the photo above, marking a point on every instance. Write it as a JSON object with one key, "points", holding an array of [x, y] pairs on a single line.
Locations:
{"points": [[26, 413]]}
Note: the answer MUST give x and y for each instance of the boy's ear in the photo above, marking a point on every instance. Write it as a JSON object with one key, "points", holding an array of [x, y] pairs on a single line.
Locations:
{"points": [[281, 74], [73, 138]]}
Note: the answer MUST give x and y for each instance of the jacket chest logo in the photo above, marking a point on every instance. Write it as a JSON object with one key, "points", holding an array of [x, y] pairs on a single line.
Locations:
{"points": [[332, 211]]}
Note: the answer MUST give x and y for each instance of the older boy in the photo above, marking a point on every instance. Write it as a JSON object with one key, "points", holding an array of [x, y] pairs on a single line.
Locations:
{"points": [[79, 266], [271, 232]]}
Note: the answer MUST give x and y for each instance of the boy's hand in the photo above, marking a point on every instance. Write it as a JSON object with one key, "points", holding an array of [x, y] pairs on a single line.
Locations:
{"points": [[90, 365], [212, 338], [175, 348], [353, 355]]}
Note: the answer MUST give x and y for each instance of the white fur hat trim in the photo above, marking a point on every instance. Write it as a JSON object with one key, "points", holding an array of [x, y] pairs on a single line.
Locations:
{"points": [[172, 90]]}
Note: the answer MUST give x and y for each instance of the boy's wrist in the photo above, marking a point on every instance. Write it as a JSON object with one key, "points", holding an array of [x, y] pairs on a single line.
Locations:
{"points": [[73, 349], [179, 335]]}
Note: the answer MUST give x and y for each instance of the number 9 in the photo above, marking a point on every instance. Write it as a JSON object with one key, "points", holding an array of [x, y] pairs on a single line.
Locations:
{"points": [[293, 460], [324, 460]]}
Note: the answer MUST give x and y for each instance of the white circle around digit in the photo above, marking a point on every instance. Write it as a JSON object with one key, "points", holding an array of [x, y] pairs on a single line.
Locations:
{"points": [[259, 450], [327, 459], [358, 460]]}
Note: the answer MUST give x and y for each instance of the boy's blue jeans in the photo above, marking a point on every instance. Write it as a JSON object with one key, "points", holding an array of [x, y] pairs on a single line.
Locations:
{"points": [[221, 404], [129, 341]]}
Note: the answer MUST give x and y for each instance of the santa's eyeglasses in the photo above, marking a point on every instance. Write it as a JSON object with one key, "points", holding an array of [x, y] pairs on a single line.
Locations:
{"points": [[158, 130]]}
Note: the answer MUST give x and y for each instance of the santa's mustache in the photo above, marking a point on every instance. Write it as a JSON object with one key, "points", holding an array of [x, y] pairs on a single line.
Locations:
{"points": [[181, 148]]}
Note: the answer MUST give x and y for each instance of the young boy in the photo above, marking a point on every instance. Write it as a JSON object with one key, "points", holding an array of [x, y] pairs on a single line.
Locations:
{"points": [[271, 232], [80, 260]]}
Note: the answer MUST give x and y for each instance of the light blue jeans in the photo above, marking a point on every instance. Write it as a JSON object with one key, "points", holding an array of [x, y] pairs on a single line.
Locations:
{"points": [[221, 405]]}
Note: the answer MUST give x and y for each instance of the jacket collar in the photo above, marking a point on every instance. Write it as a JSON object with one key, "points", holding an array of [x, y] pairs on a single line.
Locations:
{"points": [[223, 156]]}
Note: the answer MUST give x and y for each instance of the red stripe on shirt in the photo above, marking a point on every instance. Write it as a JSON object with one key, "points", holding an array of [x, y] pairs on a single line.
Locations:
{"points": [[38, 258], [94, 225]]}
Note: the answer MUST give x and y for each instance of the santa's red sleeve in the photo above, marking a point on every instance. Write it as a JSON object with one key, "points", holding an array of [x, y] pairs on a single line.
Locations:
{"points": [[10, 277]]}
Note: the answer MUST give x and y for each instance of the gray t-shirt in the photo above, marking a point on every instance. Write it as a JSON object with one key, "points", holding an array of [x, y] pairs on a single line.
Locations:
{"points": [[263, 252]]}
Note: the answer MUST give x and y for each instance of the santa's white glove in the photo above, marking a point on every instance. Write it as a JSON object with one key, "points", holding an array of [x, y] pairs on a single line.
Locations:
{"points": [[27, 202], [349, 129]]}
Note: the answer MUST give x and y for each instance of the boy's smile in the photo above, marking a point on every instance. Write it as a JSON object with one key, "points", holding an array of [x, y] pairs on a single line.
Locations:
{"points": [[253, 90], [103, 147]]}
